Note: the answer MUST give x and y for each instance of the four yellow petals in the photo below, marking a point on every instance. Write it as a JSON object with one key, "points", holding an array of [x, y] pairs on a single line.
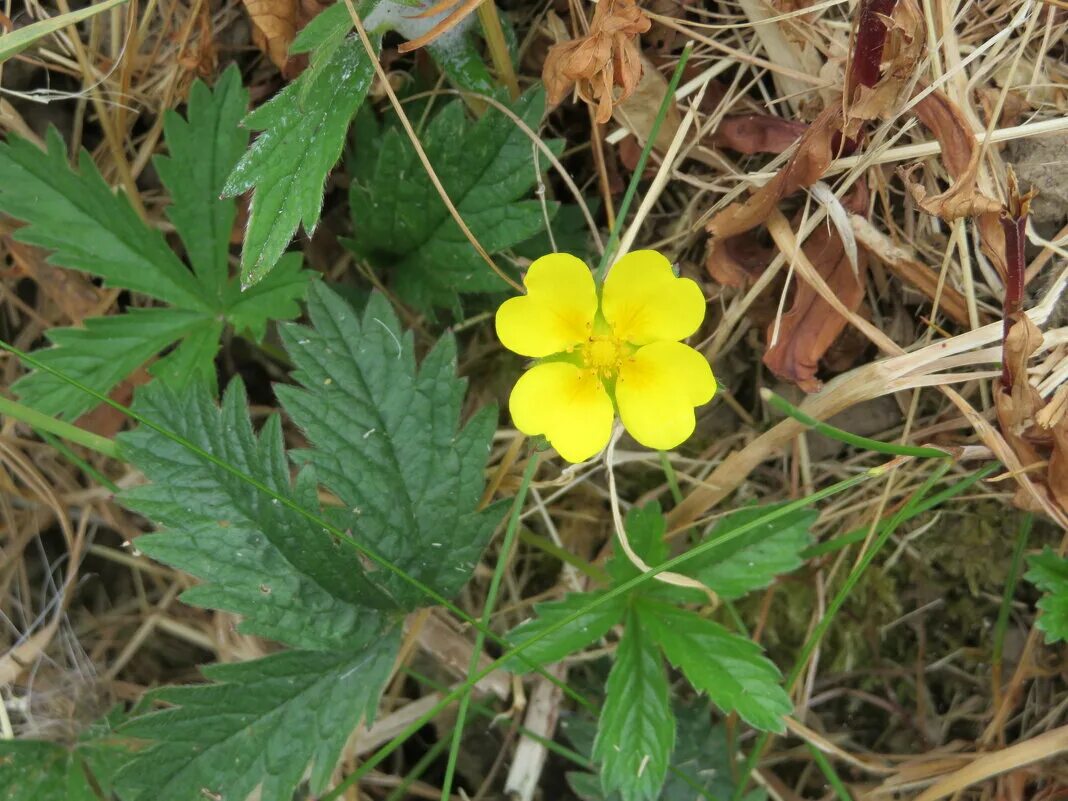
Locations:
{"points": [[617, 352]]}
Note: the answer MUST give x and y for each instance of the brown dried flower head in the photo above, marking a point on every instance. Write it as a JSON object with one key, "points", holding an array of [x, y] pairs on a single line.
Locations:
{"points": [[606, 58]]}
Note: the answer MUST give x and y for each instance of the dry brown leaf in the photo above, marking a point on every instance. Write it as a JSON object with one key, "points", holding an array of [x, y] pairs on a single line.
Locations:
{"points": [[903, 47], [811, 326], [737, 261], [757, 133], [960, 155], [806, 166], [605, 59], [275, 24], [1036, 430]]}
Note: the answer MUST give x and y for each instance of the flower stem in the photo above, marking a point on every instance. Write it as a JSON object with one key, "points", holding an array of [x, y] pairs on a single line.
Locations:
{"points": [[635, 179], [487, 612], [43, 422], [790, 410], [672, 479]]}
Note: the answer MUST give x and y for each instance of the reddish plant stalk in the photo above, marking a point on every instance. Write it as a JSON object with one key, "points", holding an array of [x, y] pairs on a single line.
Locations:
{"points": [[1015, 277], [868, 45]]}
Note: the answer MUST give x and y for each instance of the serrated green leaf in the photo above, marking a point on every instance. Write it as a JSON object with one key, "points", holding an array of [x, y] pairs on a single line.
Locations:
{"points": [[732, 670], [276, 297], [193, 360], [701, 764], [61, 207], [260, 726], [88, 226], [584, 631], [101, 354], [486, 169], [636, 730], [259, 558], [1049, 572], [386, 440], [204, 146], [460, 60], [753, 560], [303, 130], [34, 769], [570, 234]]}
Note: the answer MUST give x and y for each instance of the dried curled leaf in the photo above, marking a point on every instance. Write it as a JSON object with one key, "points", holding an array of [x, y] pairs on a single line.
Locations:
{"points": [[810, 160], [596, 64], [902, 46], [960, 155], [750, 134], [1018, 402], [275, 24], [1036, 429], [811, 325]]}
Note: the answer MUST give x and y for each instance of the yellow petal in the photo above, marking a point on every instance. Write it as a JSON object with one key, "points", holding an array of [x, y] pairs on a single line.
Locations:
{"points": [[557, 311], [644, 302], [566, 404], [657, 390]]}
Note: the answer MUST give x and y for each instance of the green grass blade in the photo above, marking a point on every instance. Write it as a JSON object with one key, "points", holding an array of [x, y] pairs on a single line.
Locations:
{"points": [[889, 448]]}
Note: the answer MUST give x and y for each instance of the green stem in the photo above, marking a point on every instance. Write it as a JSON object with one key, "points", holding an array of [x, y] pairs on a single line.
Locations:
{"points": [[487, 613], [635, 179], [829, 773], [605, 598], [1006, 599], [672, 479], [43, 422], [790, 410]]}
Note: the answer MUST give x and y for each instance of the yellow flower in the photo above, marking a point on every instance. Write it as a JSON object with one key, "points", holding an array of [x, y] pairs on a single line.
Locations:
{"points": [[620, 351]]}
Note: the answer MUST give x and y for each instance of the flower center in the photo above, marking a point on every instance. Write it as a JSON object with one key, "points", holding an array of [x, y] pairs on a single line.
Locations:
{"points": [[603, 355]]}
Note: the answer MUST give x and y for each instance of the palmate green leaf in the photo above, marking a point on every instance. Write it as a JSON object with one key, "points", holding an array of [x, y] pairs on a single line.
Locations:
{"points": [[1049, 572], [386, 440], [586, 630], [302, 129], [103, 353], [753, 560], [701, 764], [276, 297], [636, 730], [90, 228], [256, 556], [260, 726], [204, 146], [486, 168], [732, 670]]}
